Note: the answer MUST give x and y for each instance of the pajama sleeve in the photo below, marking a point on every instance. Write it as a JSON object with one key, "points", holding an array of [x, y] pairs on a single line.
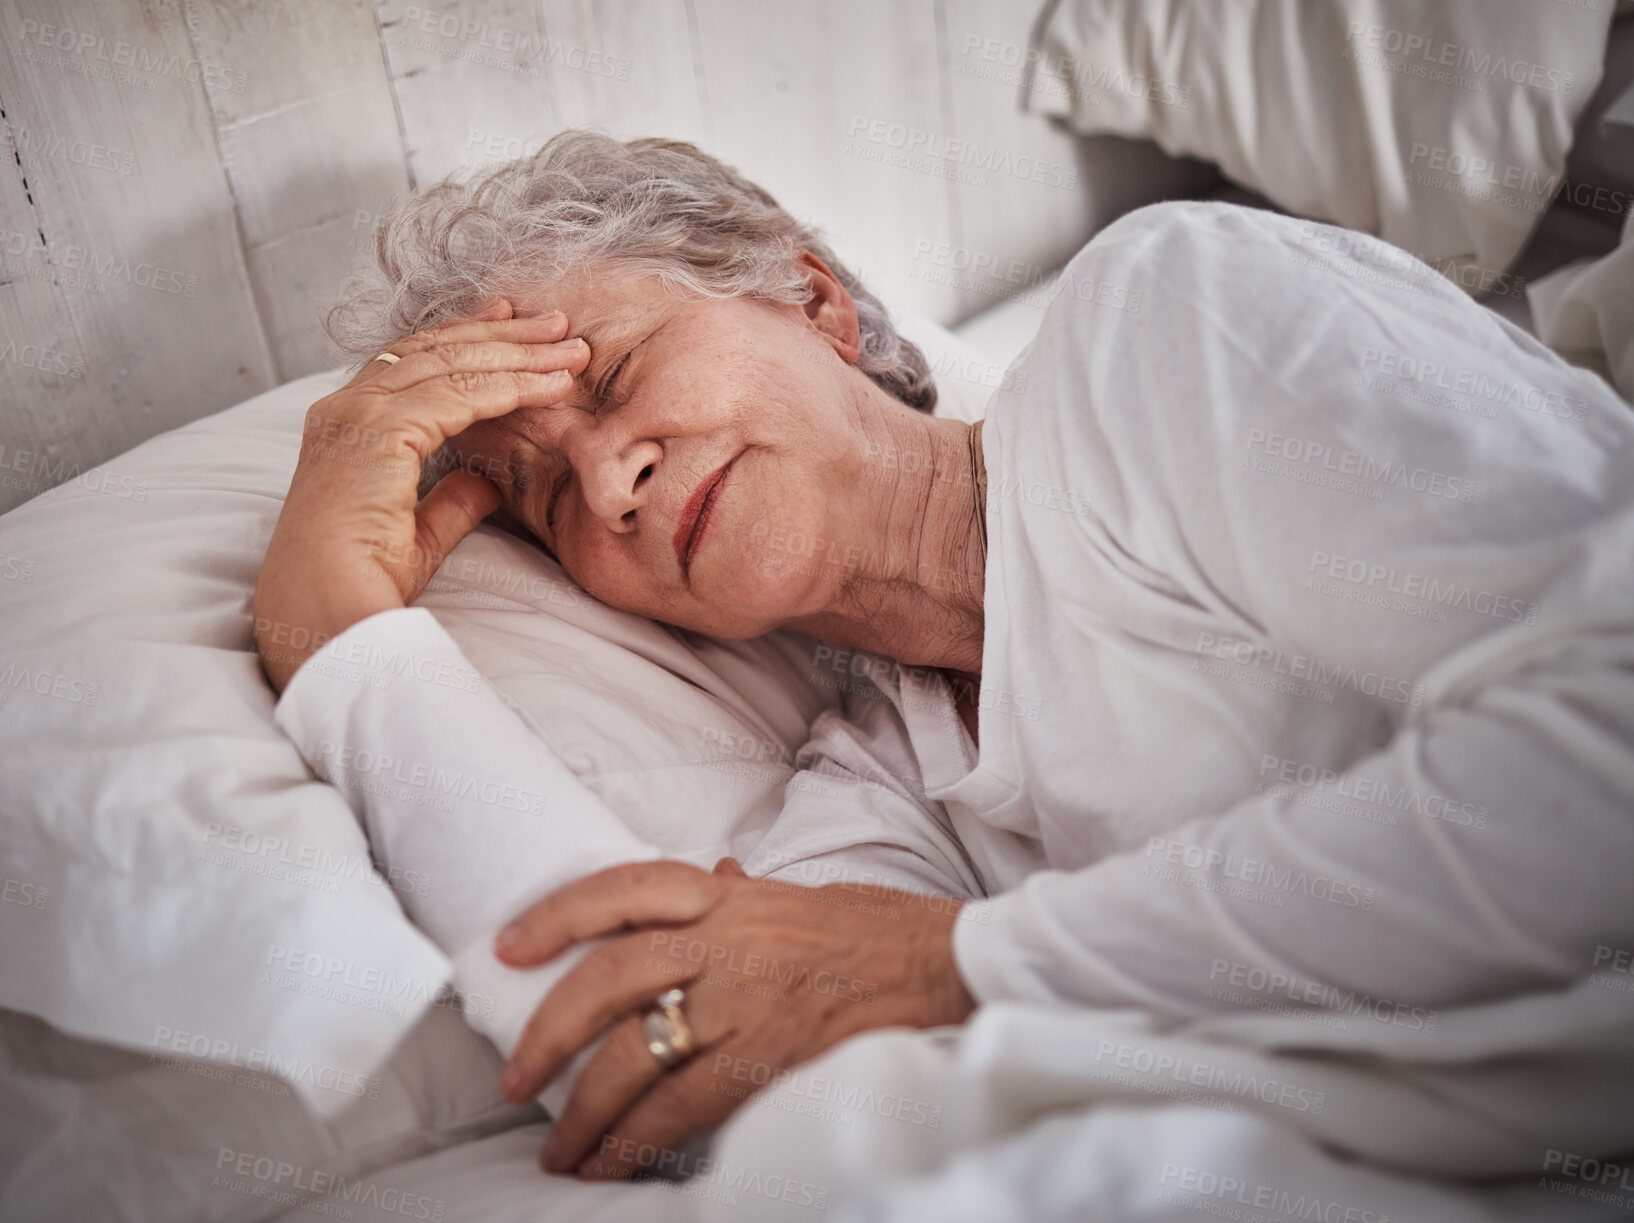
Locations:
{"points": [[452, 785], [1507, 871]]}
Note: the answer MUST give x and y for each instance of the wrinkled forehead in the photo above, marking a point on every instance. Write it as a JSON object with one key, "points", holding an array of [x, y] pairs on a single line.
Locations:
{"points": [[604, 302]]}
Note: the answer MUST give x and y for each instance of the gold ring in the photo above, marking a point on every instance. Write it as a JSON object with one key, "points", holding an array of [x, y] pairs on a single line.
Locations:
{"points": [[390, 358], [669, 1036]]}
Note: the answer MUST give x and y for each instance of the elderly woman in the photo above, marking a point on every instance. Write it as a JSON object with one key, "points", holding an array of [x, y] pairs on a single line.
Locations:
{"points": [[1279, 617]]}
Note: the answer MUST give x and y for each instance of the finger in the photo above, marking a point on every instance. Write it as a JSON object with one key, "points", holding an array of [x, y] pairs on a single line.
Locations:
{"points": [[692, 1097], [480, 354], [426, 416], [730, 866], [617, 1075], [637, 893], [551, 326], [450, 512], [478, 324], [620, 976]]}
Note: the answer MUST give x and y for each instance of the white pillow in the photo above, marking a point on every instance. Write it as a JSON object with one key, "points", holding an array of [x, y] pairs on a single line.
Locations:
{"points": [[1441, 127], [170, 862], [966, 376], [179, 850]]}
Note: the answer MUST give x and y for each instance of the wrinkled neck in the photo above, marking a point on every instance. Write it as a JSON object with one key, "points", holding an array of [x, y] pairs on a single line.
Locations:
{"points": [[916, 592]]}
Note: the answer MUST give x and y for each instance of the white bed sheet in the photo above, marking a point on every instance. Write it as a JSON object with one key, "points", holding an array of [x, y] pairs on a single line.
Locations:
{"points": [[495, 1180], [1179, 1162]]}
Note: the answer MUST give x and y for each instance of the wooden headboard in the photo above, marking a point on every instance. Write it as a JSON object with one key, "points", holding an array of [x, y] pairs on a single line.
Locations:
{"points": [[193, 179]]}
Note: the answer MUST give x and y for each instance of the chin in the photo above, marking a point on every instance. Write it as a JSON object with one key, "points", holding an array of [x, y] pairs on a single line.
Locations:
{"points": [[748, 602]]}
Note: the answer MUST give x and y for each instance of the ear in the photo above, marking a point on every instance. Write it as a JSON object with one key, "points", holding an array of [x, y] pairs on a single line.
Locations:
{"points": [[831, 310]]}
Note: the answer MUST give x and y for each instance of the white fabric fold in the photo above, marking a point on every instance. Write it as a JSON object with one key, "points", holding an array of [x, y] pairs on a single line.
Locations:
{"points": [[1051, 1113], [1585, 310]]}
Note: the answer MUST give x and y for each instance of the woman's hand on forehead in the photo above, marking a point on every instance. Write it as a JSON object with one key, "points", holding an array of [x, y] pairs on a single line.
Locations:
{"points": [[352, 539]]}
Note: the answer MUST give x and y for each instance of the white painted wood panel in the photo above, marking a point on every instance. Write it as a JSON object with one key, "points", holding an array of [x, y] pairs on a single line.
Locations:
{"points": [[820, 103], [645, 82], [1020, 171], [481, 84], [311, 149], [1036, 193], [472, 80], [139, 275]]}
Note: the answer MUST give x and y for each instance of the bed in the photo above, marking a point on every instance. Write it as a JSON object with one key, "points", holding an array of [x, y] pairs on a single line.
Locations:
{"points": [[173, 871]]}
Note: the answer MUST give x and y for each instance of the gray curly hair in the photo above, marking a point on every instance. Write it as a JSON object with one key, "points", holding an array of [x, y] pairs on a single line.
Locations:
{"points": [[660, 207]]}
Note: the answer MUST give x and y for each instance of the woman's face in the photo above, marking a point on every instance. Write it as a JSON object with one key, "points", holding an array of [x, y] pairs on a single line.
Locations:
{"points": [[702, 438]]}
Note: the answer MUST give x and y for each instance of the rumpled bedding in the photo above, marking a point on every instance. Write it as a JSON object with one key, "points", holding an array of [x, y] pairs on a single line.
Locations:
{"points": [[1057, 1113]]}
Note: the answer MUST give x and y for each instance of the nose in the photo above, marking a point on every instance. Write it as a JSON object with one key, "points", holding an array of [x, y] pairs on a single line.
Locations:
{"points": [[615, 473]]}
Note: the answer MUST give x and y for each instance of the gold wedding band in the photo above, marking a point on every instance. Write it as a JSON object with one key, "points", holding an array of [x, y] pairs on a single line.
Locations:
{"points": [[669, 1036], [390, 358]]}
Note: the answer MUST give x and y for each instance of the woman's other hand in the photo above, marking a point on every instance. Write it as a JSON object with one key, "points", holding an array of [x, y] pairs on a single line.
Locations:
{"points": [[352, 539], [774, 974]]}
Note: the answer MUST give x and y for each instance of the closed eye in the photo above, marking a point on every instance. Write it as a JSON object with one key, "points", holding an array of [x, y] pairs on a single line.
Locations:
{"points": [[519, 476], [606, 387], [556, 491], [522, 478]]}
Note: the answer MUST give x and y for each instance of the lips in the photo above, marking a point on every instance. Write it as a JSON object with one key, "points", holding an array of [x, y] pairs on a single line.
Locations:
{"points": [[695, 515]]}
